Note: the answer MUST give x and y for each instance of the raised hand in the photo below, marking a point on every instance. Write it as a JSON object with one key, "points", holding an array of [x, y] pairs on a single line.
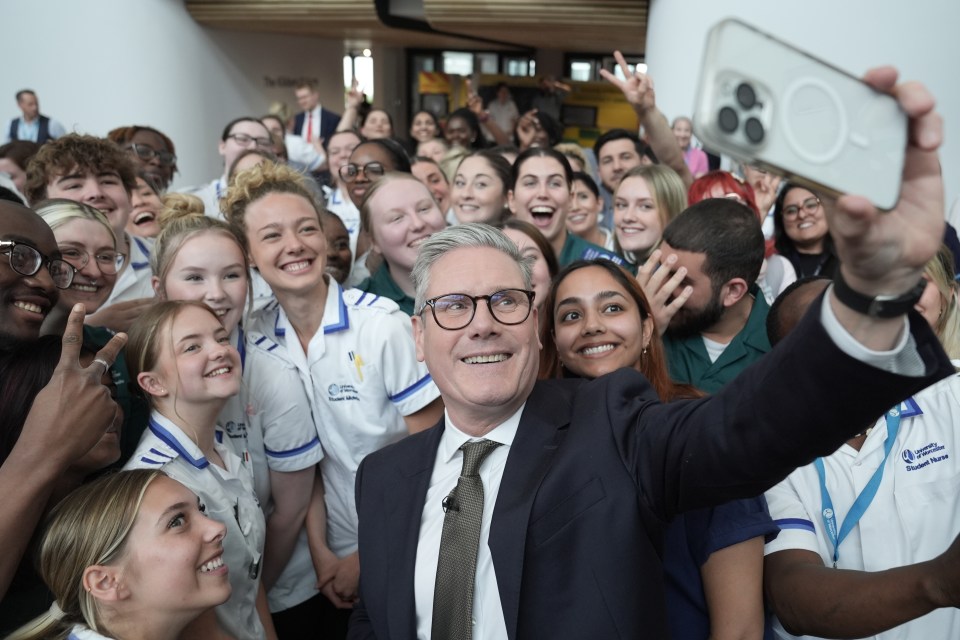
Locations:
{"points": [[637, 88], [355, 97], [74, 408], [885, 253]]}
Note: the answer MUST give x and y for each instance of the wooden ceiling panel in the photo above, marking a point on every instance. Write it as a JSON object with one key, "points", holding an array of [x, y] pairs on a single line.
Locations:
{"points": [[570, 25]]}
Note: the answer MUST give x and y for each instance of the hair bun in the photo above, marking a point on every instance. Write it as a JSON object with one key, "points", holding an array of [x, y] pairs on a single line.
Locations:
{"points": [[177, 206]]}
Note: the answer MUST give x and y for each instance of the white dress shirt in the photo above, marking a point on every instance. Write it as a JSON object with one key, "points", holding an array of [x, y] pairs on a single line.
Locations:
{"points": [[488, 620], [313, 118]]}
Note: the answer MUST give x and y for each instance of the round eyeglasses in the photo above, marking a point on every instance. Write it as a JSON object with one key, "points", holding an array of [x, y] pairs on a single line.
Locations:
{"points": [[147, 154], [27, 261], [109, 262], [456, 310], [809, 206], [371, 170]]}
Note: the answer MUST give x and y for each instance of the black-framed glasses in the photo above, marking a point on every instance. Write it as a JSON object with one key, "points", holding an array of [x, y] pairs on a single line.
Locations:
{"points": [[27, 261], [371, 170], [146, 154], [243, 140], [456, 310], [109, 262], [809, 206]]}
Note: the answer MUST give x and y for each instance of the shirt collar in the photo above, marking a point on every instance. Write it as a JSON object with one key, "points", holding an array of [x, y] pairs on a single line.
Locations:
{"points": [[452, 438], [174, 437], [335, 316]]}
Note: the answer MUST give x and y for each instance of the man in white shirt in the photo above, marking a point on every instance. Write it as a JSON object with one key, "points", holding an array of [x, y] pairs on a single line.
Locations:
{"points": [[32, 125], [575, 495], [239, 135]]}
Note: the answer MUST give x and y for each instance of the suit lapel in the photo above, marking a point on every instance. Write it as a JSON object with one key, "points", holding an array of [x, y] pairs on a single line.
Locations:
{"points": [[406, 497], [537, 439]]}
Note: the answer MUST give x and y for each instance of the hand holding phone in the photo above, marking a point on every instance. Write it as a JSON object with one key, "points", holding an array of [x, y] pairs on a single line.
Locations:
{"points": [[767, 103]]}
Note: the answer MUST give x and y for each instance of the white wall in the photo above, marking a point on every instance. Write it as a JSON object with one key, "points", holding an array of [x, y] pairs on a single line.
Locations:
{"points": [[918, 36], [99, 64]]}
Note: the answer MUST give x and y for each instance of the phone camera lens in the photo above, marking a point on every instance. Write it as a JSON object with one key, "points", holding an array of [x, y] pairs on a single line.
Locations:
{"points": [[754, 130], [728, 120], [746, 96]]}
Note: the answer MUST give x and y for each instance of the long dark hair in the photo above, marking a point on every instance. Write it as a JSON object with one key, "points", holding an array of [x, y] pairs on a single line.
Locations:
{"points": [[653, 366]]}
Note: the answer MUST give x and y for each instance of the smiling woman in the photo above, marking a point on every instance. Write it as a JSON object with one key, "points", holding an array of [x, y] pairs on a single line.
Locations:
{"points": [[645, 200], [540, 194], [86, 241], [129, 555], [600, 321], [800, 232], [400, 214], [353, 350], [184, 363]]}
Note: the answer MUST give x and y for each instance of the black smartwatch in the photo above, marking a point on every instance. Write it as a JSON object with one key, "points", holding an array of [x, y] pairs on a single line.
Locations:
{"points": [[882, 306]]}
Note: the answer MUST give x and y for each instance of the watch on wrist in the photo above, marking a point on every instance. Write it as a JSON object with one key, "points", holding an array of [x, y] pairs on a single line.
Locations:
{"points": [[880, 306]]}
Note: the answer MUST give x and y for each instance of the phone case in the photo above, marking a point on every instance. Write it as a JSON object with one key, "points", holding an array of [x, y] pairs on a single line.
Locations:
{"points": [[764, 102]]}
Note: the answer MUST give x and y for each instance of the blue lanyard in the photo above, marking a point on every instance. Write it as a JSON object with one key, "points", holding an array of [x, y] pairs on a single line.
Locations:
{"points": [[241, 348], [866, 496]]}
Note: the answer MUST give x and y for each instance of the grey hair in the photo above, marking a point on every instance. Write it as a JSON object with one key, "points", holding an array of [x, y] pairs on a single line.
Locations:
{"points": [[461, 236]]}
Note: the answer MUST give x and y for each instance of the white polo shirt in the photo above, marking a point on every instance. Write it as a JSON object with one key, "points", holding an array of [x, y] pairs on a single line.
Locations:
{"points": [[273, 411], [228, 497], [134, 281], [362, 376], [914, 516], [271, 414]]}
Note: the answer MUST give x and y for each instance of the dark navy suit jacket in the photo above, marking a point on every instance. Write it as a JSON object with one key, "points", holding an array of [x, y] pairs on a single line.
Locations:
{"points": [[328, 123], [598, 467]]}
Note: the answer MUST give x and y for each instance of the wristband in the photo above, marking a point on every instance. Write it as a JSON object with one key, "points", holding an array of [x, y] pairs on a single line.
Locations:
{"points": [[881, 306]]}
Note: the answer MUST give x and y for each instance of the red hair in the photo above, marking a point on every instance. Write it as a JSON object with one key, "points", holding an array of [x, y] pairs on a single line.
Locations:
{"points": [[729, 183]]}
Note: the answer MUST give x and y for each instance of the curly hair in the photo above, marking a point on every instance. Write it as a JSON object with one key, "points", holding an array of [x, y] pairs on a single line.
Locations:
{"points": [[257, 182], [77, 152]]}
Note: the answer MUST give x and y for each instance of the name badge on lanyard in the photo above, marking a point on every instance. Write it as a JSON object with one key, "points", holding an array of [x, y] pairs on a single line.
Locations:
{"points": [[862, 502]]}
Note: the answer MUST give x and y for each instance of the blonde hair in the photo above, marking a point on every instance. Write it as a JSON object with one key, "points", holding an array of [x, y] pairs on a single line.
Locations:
{"points": [[379, 184], [56, 212], [179, 204], [90, 527], [180, 224], [941, 272], [144, 338], [260, 181], [668, 193]]}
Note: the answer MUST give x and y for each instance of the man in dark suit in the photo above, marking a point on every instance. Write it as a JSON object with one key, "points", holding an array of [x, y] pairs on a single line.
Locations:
{"points": [[582, 475], [314, 123]]}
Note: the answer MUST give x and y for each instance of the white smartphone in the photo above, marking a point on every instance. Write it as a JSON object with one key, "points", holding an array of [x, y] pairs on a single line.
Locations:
{"points": [[769, 104]]}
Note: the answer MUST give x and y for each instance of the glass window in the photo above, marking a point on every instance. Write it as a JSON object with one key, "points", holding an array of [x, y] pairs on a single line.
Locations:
{"points": [[458, 63], [488, 62], [364, 70], [581, 71], [517, 67]]}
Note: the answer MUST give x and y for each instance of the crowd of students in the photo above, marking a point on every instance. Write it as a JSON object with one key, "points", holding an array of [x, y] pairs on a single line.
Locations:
{"points": [[240, 348]]}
